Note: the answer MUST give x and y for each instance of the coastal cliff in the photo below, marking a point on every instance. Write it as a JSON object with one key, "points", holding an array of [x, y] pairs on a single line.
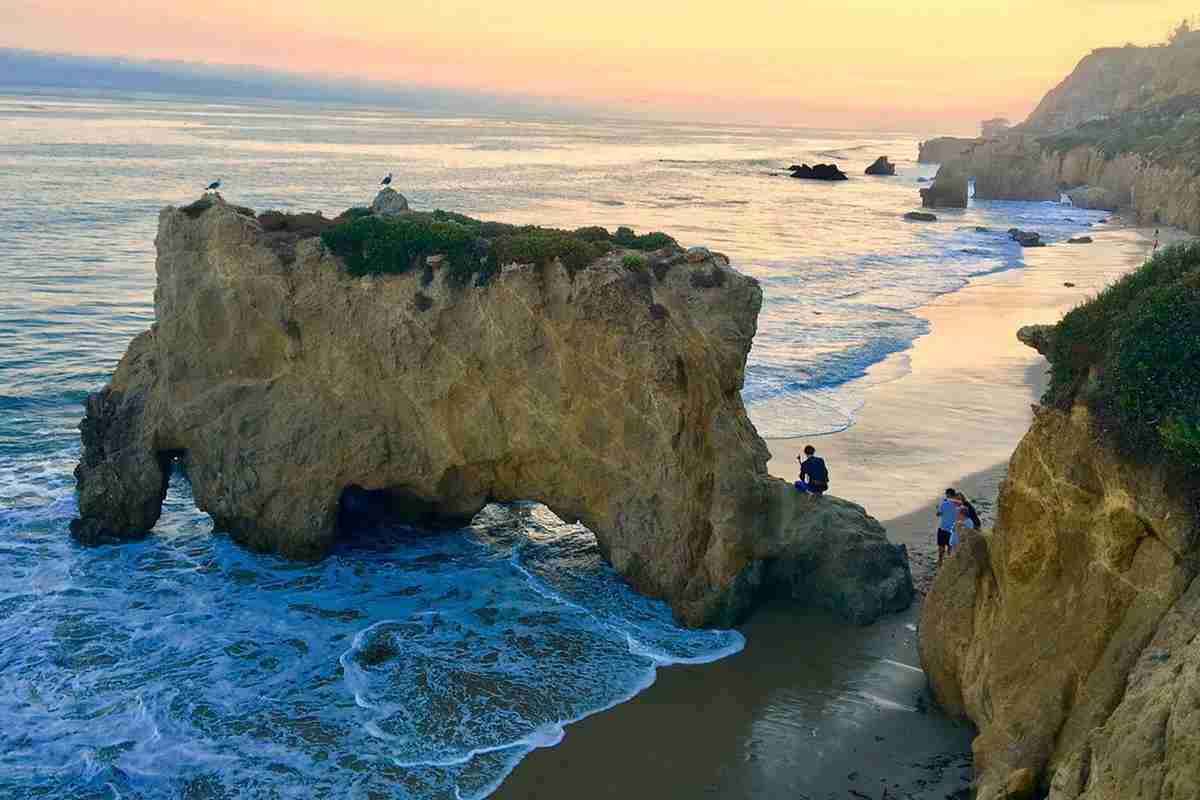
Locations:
{"points": [[1068, 633], [304, 389], [1121, 132]]}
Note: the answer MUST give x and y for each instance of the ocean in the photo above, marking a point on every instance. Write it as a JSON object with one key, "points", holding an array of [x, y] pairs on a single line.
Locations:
{"points": [[184, 666]]}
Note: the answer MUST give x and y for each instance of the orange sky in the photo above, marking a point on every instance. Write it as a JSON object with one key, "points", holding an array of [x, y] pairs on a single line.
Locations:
{"points": [[941, 64]]}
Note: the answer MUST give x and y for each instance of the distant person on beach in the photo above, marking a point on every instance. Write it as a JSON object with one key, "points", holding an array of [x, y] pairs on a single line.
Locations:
{"points": [[947, 516], [961, 526], [814, 475]]}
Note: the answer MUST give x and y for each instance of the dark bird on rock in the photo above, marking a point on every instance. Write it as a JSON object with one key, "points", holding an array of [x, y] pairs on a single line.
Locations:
{"points": [[386, 181], [212, 187]]}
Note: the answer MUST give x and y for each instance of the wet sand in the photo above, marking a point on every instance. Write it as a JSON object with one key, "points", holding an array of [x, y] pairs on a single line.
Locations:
{"points": [[813, 709]]}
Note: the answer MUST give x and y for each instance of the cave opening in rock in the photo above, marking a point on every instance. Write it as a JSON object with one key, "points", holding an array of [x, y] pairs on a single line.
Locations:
{"points": [[359, 508]]}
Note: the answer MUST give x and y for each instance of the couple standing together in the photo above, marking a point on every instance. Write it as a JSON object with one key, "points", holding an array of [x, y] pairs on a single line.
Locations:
{"points": [[955, 517]]}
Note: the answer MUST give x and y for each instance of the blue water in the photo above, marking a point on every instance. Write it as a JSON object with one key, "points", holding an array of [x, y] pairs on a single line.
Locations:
{"points": [[409, 664]]}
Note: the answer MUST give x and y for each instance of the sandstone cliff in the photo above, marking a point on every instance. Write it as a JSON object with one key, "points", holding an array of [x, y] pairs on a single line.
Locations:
{"points": [[1121, 132], [1025, 168], [1068, 633], [297, 395], [1114, 80]]}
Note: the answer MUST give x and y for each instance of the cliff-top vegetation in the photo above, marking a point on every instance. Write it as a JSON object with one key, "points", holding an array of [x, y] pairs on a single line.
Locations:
{"points": [[472, 250], [1132, 355], [1166, 133]]}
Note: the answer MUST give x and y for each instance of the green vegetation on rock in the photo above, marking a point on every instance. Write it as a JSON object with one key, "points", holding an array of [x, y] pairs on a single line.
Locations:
{"points": [[1165, 133], [473, 250], [1132, 354]]}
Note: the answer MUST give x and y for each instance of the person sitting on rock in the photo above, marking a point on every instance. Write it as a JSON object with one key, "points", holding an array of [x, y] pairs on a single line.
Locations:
{"points": [[814, 475], [947, 516]]}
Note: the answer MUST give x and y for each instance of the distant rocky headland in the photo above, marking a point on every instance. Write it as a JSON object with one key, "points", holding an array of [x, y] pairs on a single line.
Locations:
{"points": [[1121, 132], [391, 365]]}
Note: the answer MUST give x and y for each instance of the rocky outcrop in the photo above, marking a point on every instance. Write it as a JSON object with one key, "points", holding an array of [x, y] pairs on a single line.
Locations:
{"points": [[948, 190], [881, 166], [389, 203], [1018, 168], [943, 149], [1026, 238], [302, 399], [1039, 337], [1067, 633], [1119, 133], [820, 172]]}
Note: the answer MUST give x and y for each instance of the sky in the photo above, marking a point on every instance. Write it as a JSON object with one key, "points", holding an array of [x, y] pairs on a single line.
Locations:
{"points": [[942, 64]]}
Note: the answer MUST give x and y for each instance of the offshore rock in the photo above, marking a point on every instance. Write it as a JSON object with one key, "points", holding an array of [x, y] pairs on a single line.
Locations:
{"points": [[949, 188], [301, 398], [1068, 633], [881, 166], [920, 216], [1026, 238], [820, 172]]}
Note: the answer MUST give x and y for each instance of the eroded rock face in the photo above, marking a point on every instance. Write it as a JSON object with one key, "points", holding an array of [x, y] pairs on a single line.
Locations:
{"points": [[291, 389], [1038, 630]]}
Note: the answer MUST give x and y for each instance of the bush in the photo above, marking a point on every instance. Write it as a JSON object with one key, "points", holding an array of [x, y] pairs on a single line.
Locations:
{"points": [[377, 245], [633, 262], [474, 250], [1140, 340]]}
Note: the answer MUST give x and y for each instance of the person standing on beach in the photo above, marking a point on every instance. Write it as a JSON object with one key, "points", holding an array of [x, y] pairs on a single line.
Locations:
{"points": [[814, 475], [947, 516]]}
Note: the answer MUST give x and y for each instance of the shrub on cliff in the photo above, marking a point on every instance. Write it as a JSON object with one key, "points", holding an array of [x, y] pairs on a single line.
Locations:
{"points": [[474, 250], [1133, 355]]}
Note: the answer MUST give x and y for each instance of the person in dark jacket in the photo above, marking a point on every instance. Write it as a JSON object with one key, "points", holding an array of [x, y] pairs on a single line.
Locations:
{"points": [[814, 475]]}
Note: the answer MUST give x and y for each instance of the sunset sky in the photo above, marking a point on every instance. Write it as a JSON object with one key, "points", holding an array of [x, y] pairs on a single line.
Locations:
{"points": [[859, 63]]}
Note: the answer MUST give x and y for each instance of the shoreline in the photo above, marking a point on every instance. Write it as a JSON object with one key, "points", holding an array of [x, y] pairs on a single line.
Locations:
{"points": [[812, 708]]}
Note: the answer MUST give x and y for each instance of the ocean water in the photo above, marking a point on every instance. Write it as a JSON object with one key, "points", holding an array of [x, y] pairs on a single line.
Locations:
{"points": [[409, 664]]}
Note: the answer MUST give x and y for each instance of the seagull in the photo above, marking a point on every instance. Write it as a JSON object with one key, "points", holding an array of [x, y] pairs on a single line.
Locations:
{"points": [[386, 181], [212, 187]]}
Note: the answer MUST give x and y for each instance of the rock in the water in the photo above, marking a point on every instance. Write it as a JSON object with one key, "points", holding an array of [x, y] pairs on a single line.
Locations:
{"points": [[920, 216], [389, 203], [1026, 238], [1098, 198], [948, 190], [820, 172], [881, 166], [301, 398], [1079, 240]]}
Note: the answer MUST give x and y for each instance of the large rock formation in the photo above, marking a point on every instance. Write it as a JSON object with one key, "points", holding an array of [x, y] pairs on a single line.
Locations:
{"points": [[1068, 633], [948, 190], [297, 395], [1111, 81], [1121, 132]]}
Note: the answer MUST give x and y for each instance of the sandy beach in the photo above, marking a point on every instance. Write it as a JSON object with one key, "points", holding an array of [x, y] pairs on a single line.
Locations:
{"points": [[812, 708]]}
